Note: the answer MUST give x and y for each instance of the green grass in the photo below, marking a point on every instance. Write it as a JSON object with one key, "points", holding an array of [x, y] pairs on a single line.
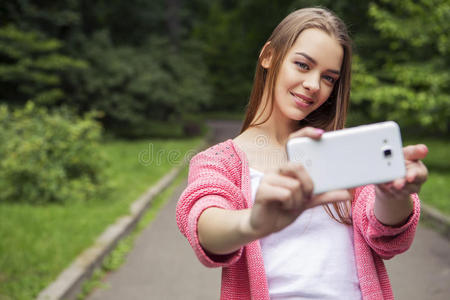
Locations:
{"points": [[38, 242], [436, 191]]}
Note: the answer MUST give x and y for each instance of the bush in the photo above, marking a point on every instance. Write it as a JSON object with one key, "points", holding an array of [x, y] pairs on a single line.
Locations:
{"points": [[49, 156], [139, 89]]}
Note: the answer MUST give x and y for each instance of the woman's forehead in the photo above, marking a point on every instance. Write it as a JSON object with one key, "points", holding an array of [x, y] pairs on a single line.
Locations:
{"points": [[318, 45]]}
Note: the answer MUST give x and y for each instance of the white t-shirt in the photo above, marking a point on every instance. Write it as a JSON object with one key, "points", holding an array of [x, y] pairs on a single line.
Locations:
{"points": [[313, 258]]}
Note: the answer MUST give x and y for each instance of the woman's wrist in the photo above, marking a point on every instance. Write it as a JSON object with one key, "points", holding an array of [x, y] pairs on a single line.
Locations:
{"points": [[392, 209], [246, 230], [224, 231]]}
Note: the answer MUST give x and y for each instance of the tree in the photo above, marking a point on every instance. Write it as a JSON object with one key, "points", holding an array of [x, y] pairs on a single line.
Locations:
{"points": [[32, 67], [233, 33], [82, 53], [136, 86], [408, 79]]}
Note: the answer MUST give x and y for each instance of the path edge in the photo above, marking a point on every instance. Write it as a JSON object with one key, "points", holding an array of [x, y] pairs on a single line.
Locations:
{"points": [[435, 219]]}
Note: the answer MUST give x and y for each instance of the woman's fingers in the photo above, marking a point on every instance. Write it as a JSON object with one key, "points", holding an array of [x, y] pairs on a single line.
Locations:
{"points": [[290, 185], [296, 170], [286, 181], [311, 132], [415, 152], [411, 174], [416, 175], [268, 193], [416, 171], [284, 189], [397, 183]]}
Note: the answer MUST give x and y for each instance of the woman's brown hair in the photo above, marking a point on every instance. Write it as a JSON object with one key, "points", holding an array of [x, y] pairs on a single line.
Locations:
{"points": [[332, 114]]}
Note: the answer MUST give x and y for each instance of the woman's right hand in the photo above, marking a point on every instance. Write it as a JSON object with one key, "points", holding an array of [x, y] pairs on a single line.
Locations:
{"points": [[284, 194], [281, 197]]}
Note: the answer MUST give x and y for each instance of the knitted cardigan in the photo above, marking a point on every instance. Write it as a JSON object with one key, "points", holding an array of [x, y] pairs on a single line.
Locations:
{"points": [[220, 177]]}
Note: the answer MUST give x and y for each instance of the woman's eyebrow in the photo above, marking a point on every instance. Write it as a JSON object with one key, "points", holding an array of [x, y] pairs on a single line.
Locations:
{"points": [[314, 62]]}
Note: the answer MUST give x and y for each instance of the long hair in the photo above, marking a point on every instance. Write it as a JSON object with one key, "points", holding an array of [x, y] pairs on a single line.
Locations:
{"points": [[332, 114]]}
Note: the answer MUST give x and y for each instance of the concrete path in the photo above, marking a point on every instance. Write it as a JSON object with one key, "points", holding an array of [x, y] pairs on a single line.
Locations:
{"points": [[162, 264], [423, 272]]}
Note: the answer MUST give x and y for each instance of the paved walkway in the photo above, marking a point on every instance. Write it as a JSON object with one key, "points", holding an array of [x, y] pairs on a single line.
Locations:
{"points": [[163, 266]]}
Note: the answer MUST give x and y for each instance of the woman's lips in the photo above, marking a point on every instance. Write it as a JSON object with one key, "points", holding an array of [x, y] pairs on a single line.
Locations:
{"points": [[302, 100]]}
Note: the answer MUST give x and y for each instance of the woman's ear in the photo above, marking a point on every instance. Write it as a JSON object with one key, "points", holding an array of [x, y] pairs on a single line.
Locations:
{"points": [[266, 55]]}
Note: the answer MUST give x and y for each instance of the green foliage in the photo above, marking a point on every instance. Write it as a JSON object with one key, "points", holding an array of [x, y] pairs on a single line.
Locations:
{"points": [[416, 24], [408, 79], [435, 190], [31, 66], [49, 156], [51, 17], [137, 88], [232, 38], [175, 57], [143, 18], [39, 241]]}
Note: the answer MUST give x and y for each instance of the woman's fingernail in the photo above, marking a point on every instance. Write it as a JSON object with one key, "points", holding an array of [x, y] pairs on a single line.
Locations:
{"points": [[320, 131], [424, 148]]}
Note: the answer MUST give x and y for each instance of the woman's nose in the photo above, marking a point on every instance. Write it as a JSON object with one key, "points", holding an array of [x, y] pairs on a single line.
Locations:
{"points": [[312, 83]]}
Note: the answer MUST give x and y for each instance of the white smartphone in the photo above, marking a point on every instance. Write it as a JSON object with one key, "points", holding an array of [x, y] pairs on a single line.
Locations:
{"points": [[347, 158]]}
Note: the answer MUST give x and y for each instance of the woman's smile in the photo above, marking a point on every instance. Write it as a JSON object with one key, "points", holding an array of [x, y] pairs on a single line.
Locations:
{"points": [[301, 100]]}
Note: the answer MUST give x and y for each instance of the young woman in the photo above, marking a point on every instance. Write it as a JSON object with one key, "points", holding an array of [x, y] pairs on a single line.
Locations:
{"points": [[250, 211]]}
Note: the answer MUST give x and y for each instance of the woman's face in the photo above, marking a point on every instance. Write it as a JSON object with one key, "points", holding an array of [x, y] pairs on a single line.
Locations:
{"points": [[308, 74]]}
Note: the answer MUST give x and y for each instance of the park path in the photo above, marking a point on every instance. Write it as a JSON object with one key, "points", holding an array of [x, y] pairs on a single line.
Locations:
{"points": [[163, 266]]}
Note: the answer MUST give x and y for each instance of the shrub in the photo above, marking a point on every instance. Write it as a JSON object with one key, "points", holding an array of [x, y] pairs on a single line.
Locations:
{"points": [[140, 89], [49, 156]]}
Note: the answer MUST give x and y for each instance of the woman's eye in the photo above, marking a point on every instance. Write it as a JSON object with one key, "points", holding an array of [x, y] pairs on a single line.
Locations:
{"points": [[302, 65], [329, 79]]}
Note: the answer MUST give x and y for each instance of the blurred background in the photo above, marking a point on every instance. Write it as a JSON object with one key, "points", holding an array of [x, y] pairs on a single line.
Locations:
{"points": [[86, 86]]}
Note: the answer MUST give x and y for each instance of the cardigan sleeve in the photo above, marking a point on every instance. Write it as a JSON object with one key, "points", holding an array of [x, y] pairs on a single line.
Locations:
{"points": [[210, 184], [386, 241]]}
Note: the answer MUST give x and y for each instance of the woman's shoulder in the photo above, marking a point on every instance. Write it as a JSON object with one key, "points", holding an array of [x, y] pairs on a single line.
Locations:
{"points": [[218, 160], [225, 147], [223, 153]]}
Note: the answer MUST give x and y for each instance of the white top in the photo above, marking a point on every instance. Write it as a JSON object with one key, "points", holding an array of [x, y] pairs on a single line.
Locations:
{"points": [[313, 258]]}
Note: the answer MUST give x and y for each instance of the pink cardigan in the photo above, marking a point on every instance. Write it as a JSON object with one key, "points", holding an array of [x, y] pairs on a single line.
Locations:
{"points": [[220, 177]]}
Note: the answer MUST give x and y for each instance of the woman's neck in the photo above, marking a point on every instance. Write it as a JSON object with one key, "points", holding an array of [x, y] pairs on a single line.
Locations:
{"points": [[277, 128], [276, 133]]}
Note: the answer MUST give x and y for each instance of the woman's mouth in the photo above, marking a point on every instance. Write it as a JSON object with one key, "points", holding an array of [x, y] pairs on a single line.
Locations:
{"points": [[302, 100]]}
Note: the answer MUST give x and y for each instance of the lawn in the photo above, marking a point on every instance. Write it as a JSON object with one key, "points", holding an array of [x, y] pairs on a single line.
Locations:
{"points": [[436, 191], [38, 242]]}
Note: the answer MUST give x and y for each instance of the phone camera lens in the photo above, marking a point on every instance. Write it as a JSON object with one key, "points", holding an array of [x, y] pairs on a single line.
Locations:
{"points": [[387, 153]]}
